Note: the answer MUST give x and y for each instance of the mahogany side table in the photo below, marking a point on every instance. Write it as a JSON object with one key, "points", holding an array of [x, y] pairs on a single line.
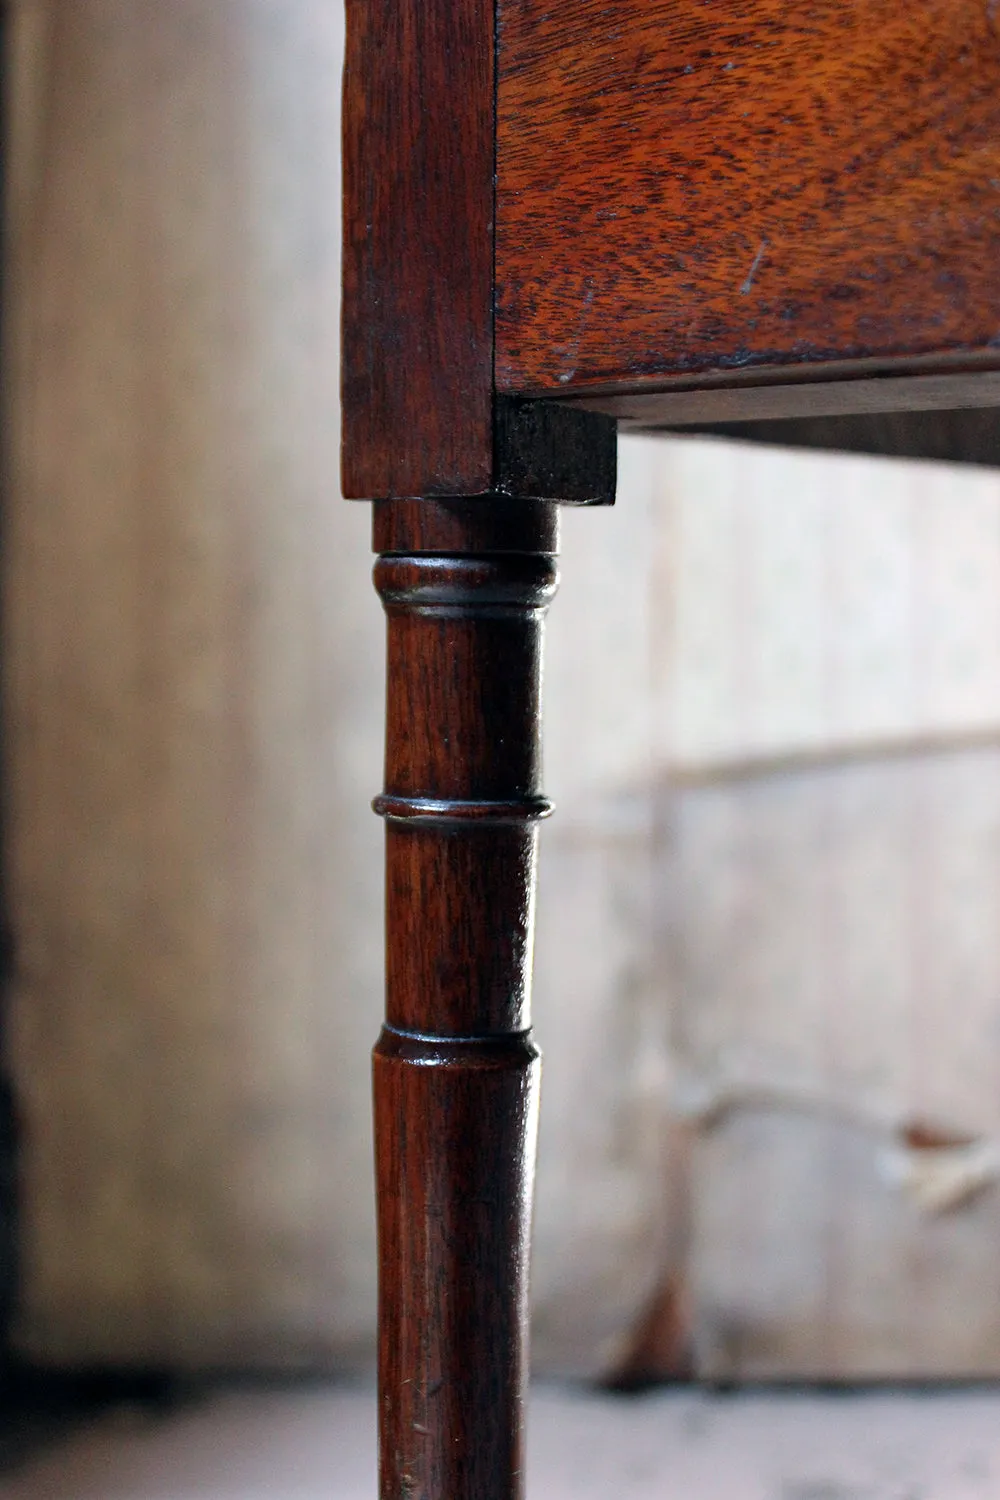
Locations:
{"points": [[562, 215]]}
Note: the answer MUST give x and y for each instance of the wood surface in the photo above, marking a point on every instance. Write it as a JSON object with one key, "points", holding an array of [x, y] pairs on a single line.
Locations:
{"points": [[419, 414], [827, 392], [546, 451], [417, 352], [456, 1073], [965, 437], [760, 186], [456, 526]]}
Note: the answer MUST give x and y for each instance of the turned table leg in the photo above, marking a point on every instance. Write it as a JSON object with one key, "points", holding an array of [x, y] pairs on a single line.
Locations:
{"points": [[465, 586]]}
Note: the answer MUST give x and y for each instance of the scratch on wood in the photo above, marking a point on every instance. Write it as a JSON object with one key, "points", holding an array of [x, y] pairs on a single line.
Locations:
{"points": [[747, 286], [572, 349]]}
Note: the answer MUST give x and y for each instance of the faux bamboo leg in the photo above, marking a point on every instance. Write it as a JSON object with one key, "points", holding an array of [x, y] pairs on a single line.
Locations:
{"points": [[465, 586]]}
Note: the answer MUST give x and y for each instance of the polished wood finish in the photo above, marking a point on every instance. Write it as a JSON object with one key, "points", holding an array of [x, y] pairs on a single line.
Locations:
{"points": [[465, 589], [417, 345], [455, 1156], [762, 185], [418, 272], [559, 214], [406, 526]]}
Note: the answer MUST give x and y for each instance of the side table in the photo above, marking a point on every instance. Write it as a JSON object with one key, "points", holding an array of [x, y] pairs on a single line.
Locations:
{"points": [[562, 215]]}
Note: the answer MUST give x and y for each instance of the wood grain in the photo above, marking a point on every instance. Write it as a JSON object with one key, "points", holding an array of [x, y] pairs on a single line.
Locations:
{"points": [[455, 1134], [420, 417], [418, 126], [744, 187], [456, 1073]]}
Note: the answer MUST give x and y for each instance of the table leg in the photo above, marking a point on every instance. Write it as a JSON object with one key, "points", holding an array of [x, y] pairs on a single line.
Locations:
{"points": [[465, 586]]}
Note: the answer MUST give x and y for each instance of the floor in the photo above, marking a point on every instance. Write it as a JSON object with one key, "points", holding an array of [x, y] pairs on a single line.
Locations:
{"points": [[318, 1444]]}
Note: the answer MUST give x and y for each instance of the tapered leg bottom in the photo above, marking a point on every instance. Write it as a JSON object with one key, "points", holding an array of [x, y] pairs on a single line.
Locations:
{"points": [[465, 588]]}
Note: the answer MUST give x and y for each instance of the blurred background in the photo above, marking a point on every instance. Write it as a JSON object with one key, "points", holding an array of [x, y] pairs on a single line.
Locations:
{"points": [[768, 954]]}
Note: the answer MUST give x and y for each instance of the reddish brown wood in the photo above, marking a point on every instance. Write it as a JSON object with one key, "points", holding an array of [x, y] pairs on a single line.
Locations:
{"points": [[417, 345], [406, 526], [456, 1128], [419, 413], [752, 185], [456, 1072], [688, 194]]}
